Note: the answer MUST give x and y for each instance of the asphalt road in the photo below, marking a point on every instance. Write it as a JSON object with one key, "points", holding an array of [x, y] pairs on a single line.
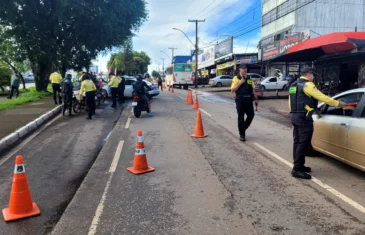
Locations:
{"points": [[56, 161], [215, 185]]}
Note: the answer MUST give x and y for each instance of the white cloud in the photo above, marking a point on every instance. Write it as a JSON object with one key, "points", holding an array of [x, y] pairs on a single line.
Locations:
{"points": [[157, 34]]}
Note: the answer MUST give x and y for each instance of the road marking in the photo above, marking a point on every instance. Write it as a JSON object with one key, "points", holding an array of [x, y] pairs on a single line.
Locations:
{"points": [[206, 99], [180, 97], [100, 208], [318, 182], [27, 140], [132, 110], [206, 112], [128, 123]]}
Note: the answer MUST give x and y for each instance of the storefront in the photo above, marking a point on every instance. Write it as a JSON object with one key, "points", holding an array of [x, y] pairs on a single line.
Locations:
{"points": [[226, 68], [250, 60]]}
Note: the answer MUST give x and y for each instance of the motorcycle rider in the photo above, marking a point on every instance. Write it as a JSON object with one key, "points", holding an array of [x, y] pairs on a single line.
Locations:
{"points": [[139, 88], [67, 92]]}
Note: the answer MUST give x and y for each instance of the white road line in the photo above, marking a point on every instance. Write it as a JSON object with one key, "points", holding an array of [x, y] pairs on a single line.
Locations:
{"points": [[206, 99], [27, 140], [180, 97], [206, 112], [132, 110], [128, 123], [318, 182], [100, 208]]}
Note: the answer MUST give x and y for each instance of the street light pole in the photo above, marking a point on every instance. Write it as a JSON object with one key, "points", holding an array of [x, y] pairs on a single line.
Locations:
{"points": [[172, 52], [166, 55], [196, 50]]}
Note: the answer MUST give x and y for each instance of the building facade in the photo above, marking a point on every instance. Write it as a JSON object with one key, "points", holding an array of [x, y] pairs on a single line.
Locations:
{"points": [[281, 19]]}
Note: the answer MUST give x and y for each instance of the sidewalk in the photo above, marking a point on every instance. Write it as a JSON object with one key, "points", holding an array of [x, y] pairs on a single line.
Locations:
{"points": [[13, 119]]}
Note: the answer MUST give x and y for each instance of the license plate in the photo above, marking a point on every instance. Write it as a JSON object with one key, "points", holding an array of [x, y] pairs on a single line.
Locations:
{"points": [[134, 103]]}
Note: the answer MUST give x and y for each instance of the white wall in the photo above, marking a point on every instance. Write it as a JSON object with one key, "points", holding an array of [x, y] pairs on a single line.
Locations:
{"points": [[278, 25]]}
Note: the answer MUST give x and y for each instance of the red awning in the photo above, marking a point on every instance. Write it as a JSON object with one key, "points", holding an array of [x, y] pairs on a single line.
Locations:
{"points": [[312, 49]]}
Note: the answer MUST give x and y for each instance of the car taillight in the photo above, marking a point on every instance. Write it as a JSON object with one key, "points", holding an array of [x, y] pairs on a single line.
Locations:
{"points": [[136, 97]]}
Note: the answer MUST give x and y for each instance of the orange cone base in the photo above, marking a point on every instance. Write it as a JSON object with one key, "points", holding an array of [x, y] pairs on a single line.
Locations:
{"points": [[196, 106], [195, 136], [11, 217], [137, 172]]}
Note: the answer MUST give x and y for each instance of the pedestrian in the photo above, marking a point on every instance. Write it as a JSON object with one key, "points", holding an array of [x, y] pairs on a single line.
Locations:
{"points": [[67, 91], [14, 85], [244, 88], [114, 83], [121, 88], [56, 79], [303, 101], [89, 88], [160, 82]]}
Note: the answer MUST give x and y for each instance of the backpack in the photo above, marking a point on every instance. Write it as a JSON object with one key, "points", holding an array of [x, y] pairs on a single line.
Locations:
{"points": [[139, 87]]}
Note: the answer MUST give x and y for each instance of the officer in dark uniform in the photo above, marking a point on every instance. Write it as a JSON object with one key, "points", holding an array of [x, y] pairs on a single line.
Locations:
{"points": [[67, 92], [244, 88], [121, 88], [303, 101]]}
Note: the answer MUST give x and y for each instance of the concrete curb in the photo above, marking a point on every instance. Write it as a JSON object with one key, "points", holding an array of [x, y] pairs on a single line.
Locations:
{"points": [[14, 137]]}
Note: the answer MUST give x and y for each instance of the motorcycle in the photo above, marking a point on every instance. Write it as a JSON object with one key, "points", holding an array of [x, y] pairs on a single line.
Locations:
{"points": [[79, 106], [139, 105]]}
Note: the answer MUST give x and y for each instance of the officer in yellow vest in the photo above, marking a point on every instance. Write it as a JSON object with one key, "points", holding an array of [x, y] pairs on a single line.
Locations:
{"points": [[89, 88], [303, 101], [244, 88], [114, 84], [56, 79]]}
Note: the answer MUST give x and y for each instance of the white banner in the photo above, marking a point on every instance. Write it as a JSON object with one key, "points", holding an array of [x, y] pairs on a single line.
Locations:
{"points": [[206, 59]]}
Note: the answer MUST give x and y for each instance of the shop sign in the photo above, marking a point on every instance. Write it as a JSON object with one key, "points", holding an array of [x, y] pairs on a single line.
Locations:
{"points": [[205, 72], [206, 57], [225, 65], [270, 51], [224, 48], [252, 59], [224, 59]]}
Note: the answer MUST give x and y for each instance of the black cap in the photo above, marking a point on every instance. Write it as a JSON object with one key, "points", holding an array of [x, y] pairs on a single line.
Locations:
{"points": [[243, 66], [308, 70]]}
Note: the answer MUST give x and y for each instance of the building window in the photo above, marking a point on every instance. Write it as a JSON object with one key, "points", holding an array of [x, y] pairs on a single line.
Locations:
{"points": [[269, 17], [286, 8]]}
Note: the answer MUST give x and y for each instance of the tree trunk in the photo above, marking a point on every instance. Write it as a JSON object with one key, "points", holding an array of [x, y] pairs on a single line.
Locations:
{"points": [[16, 71], [41, 73]]}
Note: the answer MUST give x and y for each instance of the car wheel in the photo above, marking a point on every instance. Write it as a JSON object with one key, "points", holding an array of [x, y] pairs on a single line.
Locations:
{"points": [[285, 88], [219, 84], [104, 93], [263, 88]]}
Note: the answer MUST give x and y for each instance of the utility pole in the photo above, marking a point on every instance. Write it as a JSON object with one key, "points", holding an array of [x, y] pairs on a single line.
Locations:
{"points": [[172, 51], [163, 67], [196, 50]]}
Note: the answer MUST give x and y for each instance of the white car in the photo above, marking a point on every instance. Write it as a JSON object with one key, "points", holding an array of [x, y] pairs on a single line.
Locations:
{"points": [[129, 82], [273, 83], [220, 81]]}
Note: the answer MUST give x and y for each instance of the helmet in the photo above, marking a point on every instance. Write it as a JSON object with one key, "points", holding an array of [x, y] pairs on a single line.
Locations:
{"points": [[139, 77], [69, 76], [146, 75]]}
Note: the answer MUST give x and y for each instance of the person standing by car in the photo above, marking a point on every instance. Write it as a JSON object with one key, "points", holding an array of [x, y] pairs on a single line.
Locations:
{"points": [[244, 88], [303, 101], [114, 83], [15, 82], [56, 80], [89, 88], [121, 88], [139, 88], [160, 82], [67, 91]]}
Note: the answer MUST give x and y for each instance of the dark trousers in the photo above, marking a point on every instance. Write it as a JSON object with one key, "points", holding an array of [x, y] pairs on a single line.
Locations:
{"points": [[56, 88], [90, 101], [160, 85], [114, 91], [121, 94], [14, 88], [244, 107], [67, 103], [302, 134]]}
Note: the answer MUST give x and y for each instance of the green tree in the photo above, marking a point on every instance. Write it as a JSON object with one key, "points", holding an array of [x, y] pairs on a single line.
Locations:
{"points": [[5, 75], [130, 63], [155, 74], [68, 34]]}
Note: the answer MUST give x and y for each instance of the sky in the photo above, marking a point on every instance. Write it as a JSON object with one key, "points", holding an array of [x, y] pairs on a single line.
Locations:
{"points": [[223, 18]]}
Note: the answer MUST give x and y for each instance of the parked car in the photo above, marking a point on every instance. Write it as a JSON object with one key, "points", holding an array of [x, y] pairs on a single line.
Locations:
{"points": [[256, 78], [340, 133], [220, 81], [129, 82], [273, 83]]}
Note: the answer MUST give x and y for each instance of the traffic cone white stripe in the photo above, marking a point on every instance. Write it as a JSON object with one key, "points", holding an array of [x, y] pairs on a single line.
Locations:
{"points": [[140, 152]]}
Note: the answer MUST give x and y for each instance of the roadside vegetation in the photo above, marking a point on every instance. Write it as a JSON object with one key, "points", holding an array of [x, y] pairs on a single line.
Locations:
{"points": [[28, 95]]}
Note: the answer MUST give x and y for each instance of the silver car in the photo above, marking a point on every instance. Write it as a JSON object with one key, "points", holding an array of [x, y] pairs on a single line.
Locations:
{"points": [[219, 81]]}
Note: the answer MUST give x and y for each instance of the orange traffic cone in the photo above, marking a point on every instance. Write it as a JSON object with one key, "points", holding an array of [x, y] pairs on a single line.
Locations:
{"points": [[199, 129], [169, 89], [172, 90], [189, 99], [140, 165], [21, 204], [196, 104]]}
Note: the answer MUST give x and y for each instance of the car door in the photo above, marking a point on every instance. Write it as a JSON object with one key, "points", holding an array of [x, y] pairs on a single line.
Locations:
{"points": [[356, 136], [271, 84], [227, 80], [129, 87], [331, 130]]}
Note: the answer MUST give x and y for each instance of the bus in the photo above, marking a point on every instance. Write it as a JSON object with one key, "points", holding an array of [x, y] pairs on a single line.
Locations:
{"points": [[178, 75]]}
